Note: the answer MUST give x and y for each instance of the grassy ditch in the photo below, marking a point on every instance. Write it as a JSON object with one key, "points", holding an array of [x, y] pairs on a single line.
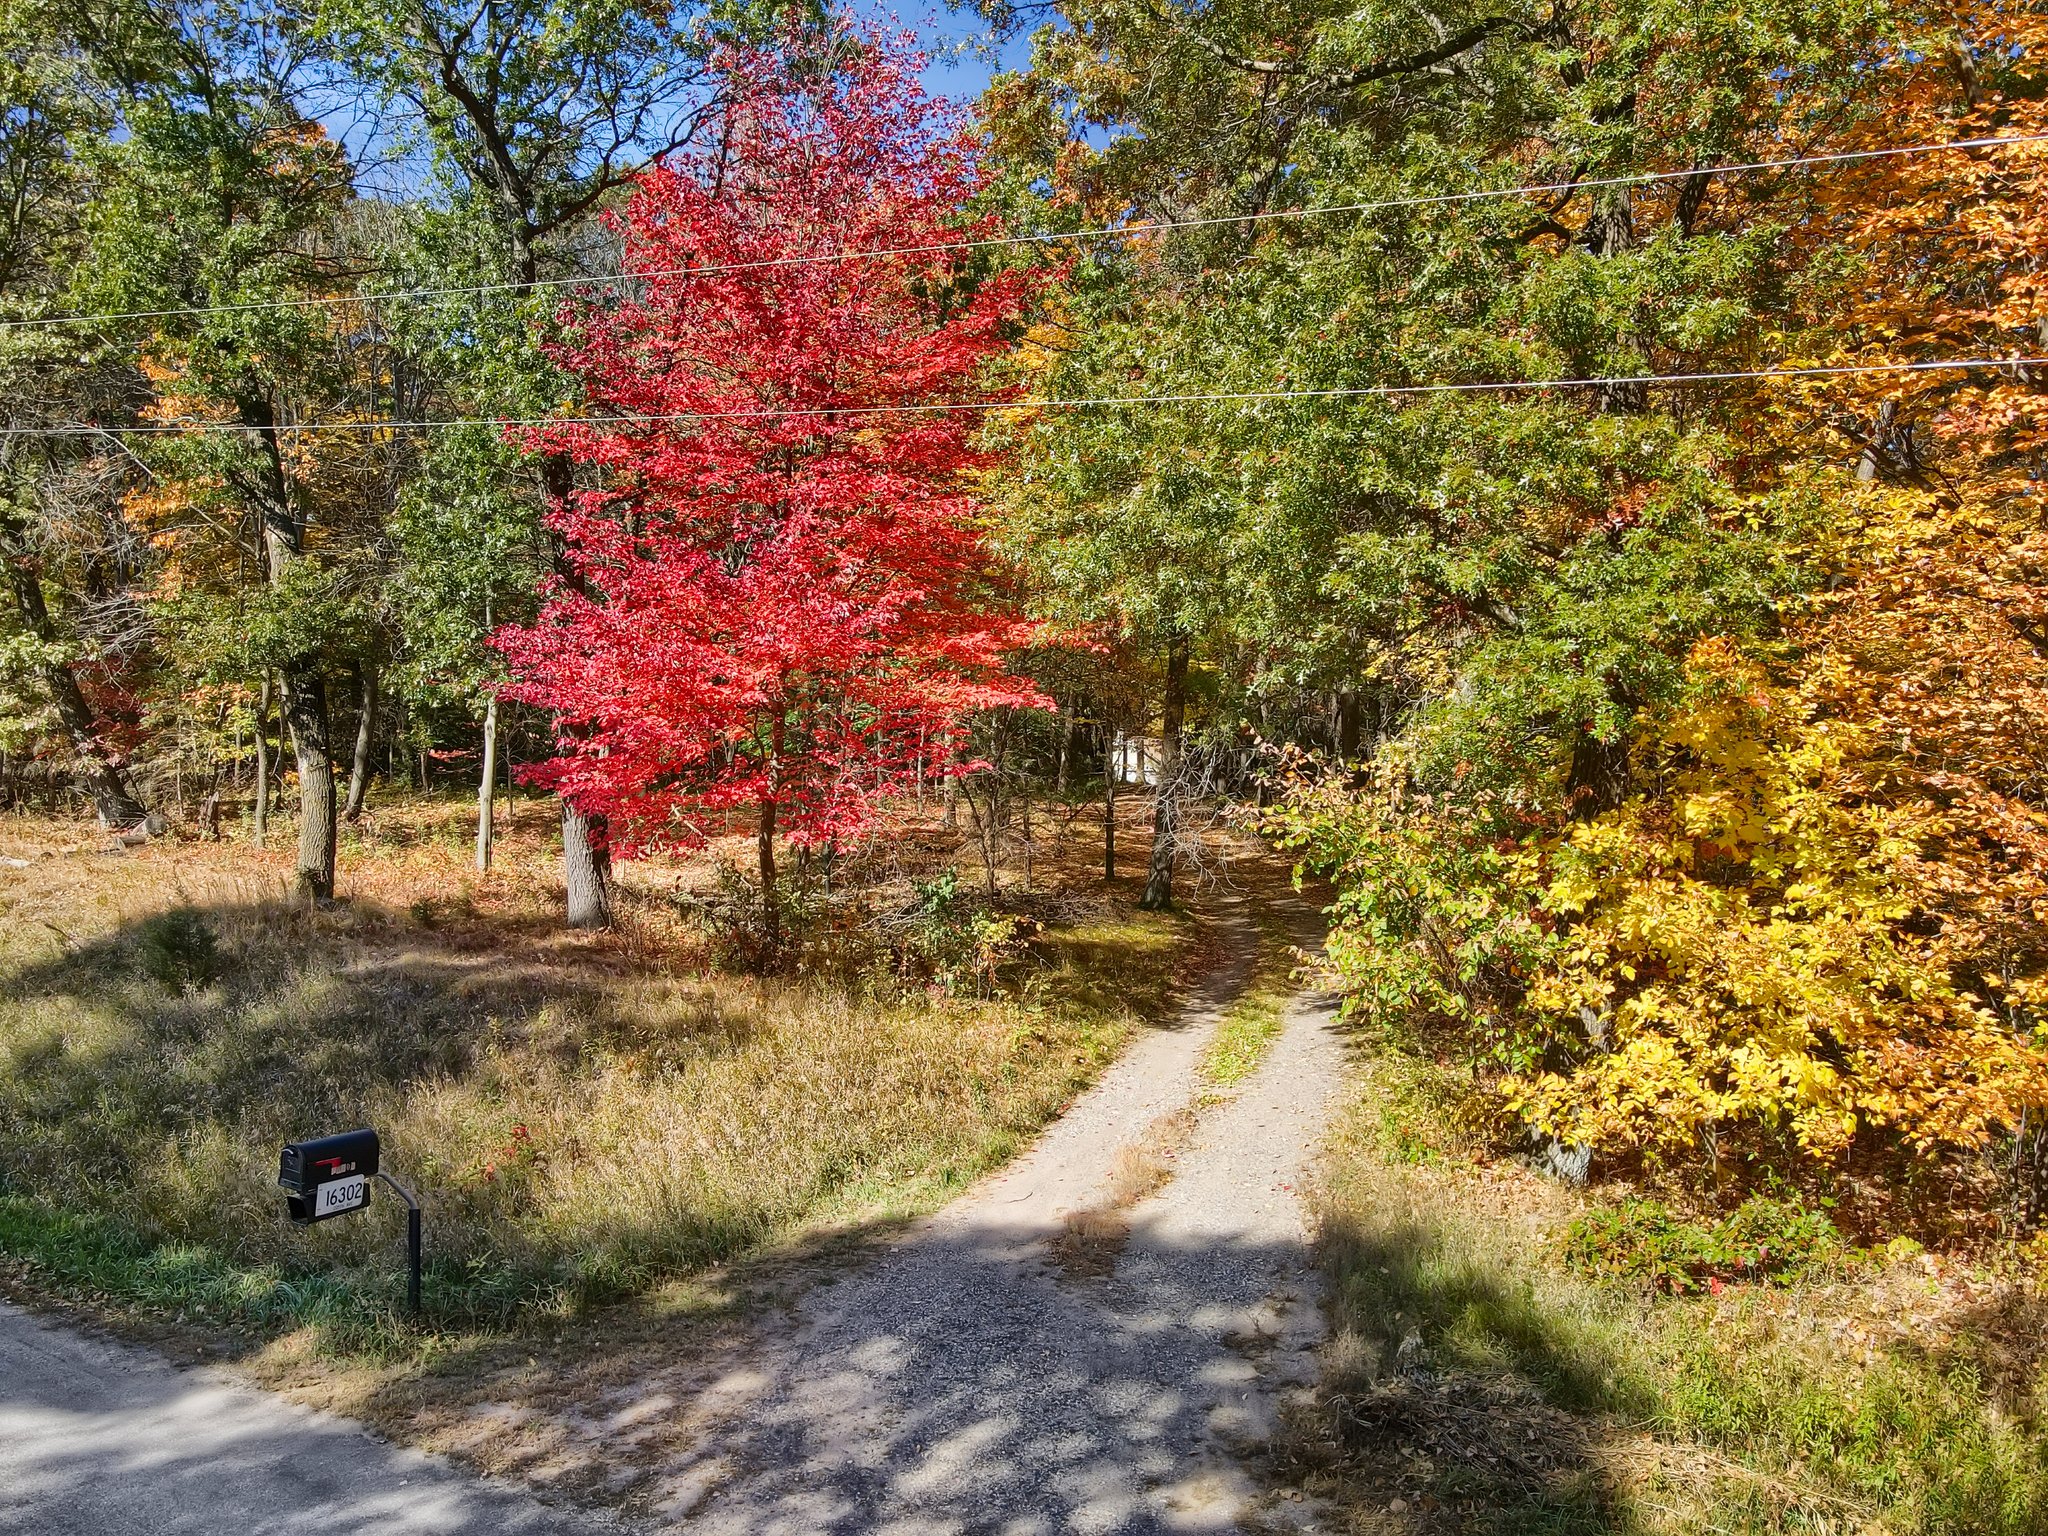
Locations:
{"points": [[586, 1120], [1511, 1355]]}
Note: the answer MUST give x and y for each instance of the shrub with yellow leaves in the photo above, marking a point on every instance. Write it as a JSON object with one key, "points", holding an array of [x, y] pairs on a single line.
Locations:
{"points": [[1815, 938], [1811, 937]]}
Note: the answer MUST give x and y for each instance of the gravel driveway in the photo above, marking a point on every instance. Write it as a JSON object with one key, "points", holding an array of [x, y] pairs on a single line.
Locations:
{"points": [[961, 1381]]}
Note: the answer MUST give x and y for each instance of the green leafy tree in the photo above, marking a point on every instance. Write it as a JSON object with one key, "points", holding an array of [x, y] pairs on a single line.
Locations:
{"points": [[57, 493], [216, 207], [535, 113], [1514, 577]]}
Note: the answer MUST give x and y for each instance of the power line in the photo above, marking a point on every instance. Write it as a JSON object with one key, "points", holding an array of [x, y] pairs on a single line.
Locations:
{"points": [[1221, 397], [1116, 231]]}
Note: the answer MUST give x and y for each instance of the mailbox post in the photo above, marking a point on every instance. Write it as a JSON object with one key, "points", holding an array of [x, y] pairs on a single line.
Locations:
{"points": [[412, 1243], [331, 1175]]}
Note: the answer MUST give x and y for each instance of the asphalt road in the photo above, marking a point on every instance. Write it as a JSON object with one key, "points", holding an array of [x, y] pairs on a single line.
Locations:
{"points": [[103, 1439]]}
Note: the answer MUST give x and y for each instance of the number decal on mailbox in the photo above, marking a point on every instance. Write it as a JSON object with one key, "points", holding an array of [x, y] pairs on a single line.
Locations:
{"points": [[342, 1195]]}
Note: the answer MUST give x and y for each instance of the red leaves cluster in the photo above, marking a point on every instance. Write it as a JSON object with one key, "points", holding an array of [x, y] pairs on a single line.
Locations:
{"points": [[780, 594]]}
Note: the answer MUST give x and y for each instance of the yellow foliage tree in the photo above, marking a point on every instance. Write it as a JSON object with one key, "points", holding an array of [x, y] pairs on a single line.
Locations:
{"points": [[1817, 938]]}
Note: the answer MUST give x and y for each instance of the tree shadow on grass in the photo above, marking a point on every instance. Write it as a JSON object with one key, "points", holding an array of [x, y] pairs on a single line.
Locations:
{"points": [[282, 1007], [148, 1077], [1456, 1398]]}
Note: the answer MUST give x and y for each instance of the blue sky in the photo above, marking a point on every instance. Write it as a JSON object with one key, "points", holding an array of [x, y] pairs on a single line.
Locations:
{"points": [[964, 58], [961, 66]]}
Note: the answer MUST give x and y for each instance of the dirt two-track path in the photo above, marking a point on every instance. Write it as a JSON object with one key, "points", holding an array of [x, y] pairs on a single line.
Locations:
{"points": [[963, 1381]]}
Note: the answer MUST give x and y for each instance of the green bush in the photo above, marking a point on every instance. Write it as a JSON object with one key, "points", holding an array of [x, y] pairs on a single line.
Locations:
{"points": [[178, 948], [1763, 1239], [733, 919], [956, 941]]}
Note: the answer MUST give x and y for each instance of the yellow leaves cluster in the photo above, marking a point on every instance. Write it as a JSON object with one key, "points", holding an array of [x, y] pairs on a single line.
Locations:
{"points": [[1830, 918], [1829, 915]]}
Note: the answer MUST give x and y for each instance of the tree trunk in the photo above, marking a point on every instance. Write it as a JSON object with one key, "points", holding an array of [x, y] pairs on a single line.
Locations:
{"points": [[305, 711], [112, 795], [764, 845], [586, 860], [1348, 714], [1870, 463], [1112, 766], [586, 869], [366, 730], [305, 691], [487, 788], [1024, 822], [998, 804], [1165, 802], [1598, 779], [1611, 231], [259, 811], [1063, 764]]}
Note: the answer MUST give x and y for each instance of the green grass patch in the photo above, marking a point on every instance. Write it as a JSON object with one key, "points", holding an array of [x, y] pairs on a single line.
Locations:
{"points": [[1764, 1238], [1511, 1355], [1252, 1022]]}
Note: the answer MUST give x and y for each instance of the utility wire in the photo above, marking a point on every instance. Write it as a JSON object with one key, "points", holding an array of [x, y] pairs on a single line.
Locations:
{"points": [[1221, 397], [1110, 232]]}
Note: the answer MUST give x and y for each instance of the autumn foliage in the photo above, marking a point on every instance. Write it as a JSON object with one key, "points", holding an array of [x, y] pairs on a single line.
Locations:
{"points": [[1814, 940], [779, 596]]}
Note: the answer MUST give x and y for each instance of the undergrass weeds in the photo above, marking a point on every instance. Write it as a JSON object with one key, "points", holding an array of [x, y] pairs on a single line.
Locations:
{"points": [[1479, 1381], [583, 1122]]}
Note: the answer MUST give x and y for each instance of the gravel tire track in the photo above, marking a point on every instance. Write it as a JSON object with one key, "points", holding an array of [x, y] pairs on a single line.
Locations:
{"points": [[959, 1382]]}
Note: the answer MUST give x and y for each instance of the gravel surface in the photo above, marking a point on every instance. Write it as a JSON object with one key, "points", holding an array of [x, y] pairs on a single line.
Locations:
{"points": [[962, 1382], [104, 1439]]}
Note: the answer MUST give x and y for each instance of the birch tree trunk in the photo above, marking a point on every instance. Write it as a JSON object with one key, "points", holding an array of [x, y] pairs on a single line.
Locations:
{"points": [[1112, 769], [487, 788]]}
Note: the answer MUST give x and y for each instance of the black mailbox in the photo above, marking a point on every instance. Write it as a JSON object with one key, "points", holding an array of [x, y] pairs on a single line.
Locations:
{"points": [[328, 1177]]}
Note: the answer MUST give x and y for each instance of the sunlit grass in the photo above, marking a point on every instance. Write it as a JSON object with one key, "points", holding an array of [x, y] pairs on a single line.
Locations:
{"points": [[586, 1120], [1252, 1021], [1483, 1385]]}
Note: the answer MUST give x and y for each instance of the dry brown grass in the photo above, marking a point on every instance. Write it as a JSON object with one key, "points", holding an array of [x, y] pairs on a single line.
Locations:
{"points": [[1090, 1241], [588, 1116]]}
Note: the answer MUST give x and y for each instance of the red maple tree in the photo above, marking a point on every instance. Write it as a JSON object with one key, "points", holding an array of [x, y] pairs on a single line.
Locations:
{"points": [[780, 595]]}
